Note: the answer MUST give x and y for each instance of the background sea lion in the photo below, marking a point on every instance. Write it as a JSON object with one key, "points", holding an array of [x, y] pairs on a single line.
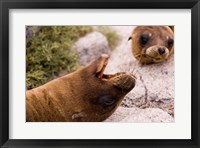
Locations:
{"points": [[152, 44], [84, 95]]}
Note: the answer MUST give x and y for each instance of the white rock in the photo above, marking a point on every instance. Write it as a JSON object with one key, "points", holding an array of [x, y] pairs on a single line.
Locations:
{"points": [[91, 46], [138, 115]]}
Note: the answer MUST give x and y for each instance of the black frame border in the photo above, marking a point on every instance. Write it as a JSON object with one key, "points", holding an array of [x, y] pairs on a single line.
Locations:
{"points": [[5, 5]]}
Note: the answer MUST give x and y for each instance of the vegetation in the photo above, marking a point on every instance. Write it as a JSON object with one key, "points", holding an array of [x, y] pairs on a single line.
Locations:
{"points": [[48, 53], [110, 34]]}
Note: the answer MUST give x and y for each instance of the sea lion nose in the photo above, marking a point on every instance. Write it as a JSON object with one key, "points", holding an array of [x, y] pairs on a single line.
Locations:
{"points": [[161, 50], [125, 82]]}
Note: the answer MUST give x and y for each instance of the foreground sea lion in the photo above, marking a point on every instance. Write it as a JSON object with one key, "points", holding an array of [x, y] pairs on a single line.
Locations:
{"points": [[152, 44], [84, 95]]}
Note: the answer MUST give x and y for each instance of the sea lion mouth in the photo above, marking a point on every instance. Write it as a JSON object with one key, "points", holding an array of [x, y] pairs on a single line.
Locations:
{"points": [[154, 53], [123, 80]]}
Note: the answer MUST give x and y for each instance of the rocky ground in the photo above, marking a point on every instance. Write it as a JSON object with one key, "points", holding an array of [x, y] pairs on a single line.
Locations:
{"points": [[152, 99]]}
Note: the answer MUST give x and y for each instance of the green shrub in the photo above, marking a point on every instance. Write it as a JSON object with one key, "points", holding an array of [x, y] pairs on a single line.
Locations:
{"points": [[48, 53], [110, 34]]}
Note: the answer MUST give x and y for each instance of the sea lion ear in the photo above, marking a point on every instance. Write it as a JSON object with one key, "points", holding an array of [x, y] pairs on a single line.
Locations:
{"points": [[97, 65], [172, 28], [129, 38]]}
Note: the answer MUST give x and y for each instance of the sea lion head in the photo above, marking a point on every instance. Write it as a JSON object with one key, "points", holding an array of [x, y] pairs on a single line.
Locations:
{"points": [[102, 93], [152, 44]]}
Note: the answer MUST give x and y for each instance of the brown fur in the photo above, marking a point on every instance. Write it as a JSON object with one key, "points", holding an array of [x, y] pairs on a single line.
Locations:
{"points": [[158, 37], [84, 95]]}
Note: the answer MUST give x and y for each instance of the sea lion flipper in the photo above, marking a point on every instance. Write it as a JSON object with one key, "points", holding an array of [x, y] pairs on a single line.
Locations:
{"points": [[78, 115], [103, 61], [97, 67]]}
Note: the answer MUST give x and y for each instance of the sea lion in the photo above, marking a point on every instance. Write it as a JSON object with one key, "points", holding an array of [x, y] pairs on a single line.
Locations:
{"points": [[84, 95], [152, 44]]}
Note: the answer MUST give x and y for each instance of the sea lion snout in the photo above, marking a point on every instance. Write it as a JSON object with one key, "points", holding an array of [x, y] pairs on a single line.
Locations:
{"points": [[125, 82], [152, 44], [157, 53]]}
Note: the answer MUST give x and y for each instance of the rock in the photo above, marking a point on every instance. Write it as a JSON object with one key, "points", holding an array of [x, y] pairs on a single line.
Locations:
{"points": [[135, 114], [155, 82], [91, 46], [31, 32]]}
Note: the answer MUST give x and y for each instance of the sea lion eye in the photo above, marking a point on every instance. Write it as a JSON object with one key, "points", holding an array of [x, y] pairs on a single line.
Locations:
{"points": [[144, 38], [170, 42], [106, 100]]}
